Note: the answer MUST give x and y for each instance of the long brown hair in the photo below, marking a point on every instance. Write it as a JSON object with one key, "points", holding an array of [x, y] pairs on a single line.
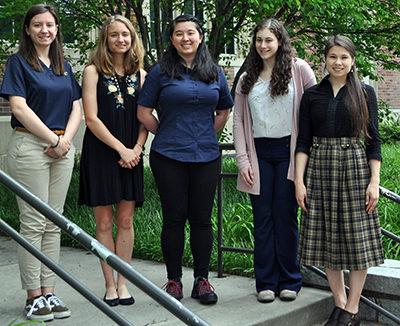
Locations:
{"points": [[282, 71], [102, 57], [27, 49], [355, 98]]}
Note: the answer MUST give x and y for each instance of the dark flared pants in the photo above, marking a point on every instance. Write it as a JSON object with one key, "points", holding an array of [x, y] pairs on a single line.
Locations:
{"points": [[276, 262]]}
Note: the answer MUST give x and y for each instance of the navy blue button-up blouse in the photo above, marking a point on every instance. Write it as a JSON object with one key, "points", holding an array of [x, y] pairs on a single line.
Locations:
{"points": [[186, 111]]}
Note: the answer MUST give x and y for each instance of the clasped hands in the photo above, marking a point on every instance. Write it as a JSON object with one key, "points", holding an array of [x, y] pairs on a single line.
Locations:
{"points": [[130, 157], [61, 150]]}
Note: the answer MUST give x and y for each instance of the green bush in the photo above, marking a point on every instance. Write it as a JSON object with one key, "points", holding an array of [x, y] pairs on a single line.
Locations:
{"points": [[389, 124], [237, 216]]}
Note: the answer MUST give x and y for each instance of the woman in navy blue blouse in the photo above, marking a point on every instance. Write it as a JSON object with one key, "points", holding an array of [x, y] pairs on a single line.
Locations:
{"points": [[193, 101], [46, 113]]}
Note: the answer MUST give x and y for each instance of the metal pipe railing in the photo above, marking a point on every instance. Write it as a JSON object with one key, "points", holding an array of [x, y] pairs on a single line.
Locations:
{"points": [[122, 267], [75, 283], [221, 248], [389, 194], [363, 299]]}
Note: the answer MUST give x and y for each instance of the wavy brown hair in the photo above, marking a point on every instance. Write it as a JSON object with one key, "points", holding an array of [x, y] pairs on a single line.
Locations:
{"points": [[282, 71], [27, 49], [101, 58], [355, 98]]}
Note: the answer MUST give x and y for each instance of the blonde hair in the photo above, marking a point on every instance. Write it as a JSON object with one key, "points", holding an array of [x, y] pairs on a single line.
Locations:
{"points": [[102, 57]]}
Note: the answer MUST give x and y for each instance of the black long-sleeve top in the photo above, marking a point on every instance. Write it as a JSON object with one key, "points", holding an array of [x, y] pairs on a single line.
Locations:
{"points": [[324, 115]]}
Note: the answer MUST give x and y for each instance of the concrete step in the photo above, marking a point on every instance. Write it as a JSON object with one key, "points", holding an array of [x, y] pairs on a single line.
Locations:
{"points": [[237, 305]]}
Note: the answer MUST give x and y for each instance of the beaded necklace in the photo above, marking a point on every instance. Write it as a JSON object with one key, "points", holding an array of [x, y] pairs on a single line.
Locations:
{"points": [[118, 96], [114, 88]]}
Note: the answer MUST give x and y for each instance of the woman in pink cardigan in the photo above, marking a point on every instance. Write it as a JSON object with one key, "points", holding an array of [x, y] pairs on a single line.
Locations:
{"points": [[265, 131]]}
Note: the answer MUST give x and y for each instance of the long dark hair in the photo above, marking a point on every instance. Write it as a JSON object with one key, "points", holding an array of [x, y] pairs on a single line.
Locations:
{"points": [[27, 49], [203, 67], [282, 71], [355, 98]]}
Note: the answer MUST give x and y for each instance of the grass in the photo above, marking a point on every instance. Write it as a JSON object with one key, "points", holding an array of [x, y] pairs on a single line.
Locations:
{"points": [[237, 216]]}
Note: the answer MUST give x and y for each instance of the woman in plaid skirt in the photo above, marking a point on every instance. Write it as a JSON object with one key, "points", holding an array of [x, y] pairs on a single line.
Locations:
{"points": [[338, 158]]}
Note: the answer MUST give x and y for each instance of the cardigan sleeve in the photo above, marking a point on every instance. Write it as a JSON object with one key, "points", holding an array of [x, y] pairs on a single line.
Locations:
{"points": [[242, 159]]}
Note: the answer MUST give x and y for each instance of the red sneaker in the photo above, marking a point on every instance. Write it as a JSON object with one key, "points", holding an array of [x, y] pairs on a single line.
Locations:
{"points": [[174, 289]]}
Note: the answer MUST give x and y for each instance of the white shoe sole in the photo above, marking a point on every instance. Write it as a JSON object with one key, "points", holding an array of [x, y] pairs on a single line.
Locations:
{"points": [[62, 314], [48, 317]]}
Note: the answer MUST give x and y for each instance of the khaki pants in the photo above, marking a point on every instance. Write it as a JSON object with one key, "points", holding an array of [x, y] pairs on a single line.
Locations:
{"points": [[48, 179]]}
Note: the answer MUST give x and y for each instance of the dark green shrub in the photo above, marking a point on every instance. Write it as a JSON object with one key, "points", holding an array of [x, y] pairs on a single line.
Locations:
{"points": [[389, 124]]}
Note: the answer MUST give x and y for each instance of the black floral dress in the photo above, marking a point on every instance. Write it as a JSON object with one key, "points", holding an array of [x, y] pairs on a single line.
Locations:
{"points": [[102, 180]]}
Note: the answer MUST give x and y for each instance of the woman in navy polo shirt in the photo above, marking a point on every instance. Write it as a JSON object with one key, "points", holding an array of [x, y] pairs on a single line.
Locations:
{"points": [[46, 113], [193, 102]]}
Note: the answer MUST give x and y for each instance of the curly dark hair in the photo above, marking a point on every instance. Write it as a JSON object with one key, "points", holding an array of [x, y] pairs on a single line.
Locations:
{"points": [[282, 71]]}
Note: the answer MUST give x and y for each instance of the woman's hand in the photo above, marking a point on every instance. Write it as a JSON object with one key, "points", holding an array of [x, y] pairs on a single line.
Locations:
{"points": [[371, 197], [61, 150], [301, 195], [248, 175], [136, 156]]}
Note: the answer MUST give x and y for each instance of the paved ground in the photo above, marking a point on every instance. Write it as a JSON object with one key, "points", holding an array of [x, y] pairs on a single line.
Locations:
{"points": [[237, 304]]}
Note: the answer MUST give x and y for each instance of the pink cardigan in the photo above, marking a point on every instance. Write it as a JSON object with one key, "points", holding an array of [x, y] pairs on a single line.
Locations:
{"points": [[303, 78]]}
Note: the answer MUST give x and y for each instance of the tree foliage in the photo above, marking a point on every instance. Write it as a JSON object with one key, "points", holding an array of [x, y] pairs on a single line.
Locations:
{"points": [[373, 25]]}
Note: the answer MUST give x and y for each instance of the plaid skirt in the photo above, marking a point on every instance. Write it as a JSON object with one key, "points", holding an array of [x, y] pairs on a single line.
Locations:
{"points": [[336, 232]]}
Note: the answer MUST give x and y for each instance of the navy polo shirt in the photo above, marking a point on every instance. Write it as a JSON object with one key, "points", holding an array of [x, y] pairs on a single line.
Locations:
{"points": [[186, 110], [50, 96]]}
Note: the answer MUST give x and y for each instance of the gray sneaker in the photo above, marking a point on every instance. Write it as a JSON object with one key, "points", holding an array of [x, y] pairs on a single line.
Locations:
{"points": [[266, 296], [38, 309], [58, 307], [287, 295]]}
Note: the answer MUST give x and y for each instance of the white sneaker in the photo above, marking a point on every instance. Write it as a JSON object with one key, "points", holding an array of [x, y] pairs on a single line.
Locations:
{"points": [[266, 296], [58, 308], [38, 309], [287, 295]]}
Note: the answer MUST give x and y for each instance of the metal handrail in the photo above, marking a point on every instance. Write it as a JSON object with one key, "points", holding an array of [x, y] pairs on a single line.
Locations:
{"points": [[221, 248], [122, 267], [68, 278]]}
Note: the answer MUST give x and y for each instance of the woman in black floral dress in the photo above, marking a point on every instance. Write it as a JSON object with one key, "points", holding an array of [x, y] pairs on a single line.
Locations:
{"points": [[111, 162]]}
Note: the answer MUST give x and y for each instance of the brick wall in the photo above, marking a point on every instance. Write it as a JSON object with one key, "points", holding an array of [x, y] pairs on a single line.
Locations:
{"points": [[388, 89]]}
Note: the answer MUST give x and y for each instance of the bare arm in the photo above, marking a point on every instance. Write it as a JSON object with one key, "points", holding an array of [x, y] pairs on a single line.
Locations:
{"points": [[96, 126], [143, 132], [74, 121], [221, 117], [372, 192], [147, 118], [301, 191], [24, 114], [142, 135]]}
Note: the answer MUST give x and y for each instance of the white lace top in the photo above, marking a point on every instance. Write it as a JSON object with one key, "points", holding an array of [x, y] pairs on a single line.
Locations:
{"points": [[272, 117]]}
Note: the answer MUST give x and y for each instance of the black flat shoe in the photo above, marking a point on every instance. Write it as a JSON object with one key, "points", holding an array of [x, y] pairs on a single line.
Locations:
{"points": [[332, 321], [111, 302], [346, 318], [127, 301]]}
